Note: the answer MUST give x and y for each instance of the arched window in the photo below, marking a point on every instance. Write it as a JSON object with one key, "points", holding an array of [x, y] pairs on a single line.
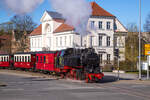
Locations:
{"points": [[48, 28]]}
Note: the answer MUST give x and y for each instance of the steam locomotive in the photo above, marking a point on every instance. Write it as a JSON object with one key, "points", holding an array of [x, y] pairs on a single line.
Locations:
{"points": [[79, 64]]}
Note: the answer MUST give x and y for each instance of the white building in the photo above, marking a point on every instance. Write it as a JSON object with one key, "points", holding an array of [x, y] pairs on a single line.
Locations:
{"points": [[107, 33]]}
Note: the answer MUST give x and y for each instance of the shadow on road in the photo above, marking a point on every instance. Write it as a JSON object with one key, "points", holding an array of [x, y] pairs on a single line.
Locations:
{"points": [[39, 79], [109, 79]]}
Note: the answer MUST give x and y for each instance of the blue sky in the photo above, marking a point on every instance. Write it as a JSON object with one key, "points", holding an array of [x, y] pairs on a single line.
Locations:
{"points": [[125, 10]]}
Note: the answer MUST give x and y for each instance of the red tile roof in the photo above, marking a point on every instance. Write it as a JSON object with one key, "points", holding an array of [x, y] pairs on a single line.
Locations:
{"points": [[5, 37], [99, 11], [64, 27], [37, 31], [59, 20]]}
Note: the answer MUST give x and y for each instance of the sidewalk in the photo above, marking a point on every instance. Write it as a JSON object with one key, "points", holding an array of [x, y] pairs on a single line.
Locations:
{"points": [[123, 76]]}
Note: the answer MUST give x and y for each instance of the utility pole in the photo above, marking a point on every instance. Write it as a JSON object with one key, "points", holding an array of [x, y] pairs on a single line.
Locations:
{"points": [[116, 54], [139, 39], [118, 69], [148, 67]]}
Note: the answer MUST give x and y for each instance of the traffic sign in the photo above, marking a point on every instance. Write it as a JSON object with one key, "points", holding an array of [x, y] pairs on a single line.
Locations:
{"points": [[147, 49]]}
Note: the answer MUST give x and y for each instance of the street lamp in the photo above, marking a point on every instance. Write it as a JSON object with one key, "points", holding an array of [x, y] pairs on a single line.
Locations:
{"points": [[139, 39]]}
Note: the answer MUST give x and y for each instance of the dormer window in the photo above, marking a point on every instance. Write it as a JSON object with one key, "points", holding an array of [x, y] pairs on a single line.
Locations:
{"points": [[47, 28]]}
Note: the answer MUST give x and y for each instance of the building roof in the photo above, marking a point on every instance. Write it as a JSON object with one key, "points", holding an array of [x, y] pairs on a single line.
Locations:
{"points": [[99, 11], [59, 20], [5, 37], [37, 31], [96, 11], [64, 27], [55, 15]]}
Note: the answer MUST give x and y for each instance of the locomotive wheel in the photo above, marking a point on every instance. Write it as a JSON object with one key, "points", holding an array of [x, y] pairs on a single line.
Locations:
{"points": [[68, 75], [62, 76], [97, 80]]}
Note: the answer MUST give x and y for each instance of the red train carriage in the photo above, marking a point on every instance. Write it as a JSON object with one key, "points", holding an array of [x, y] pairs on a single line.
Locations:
{"points": [[5, 60], [24, 60], [45, 61]]}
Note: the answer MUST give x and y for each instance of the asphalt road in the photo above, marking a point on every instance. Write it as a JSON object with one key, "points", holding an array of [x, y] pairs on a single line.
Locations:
{"points": [[21, 87]]}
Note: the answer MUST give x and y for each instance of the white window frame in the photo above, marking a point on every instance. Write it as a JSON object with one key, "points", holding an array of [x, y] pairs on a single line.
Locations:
{"points": [[92, 24], [108, 27], [100, 25]]}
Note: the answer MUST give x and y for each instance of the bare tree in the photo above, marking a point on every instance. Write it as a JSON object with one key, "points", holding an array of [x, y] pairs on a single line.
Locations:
{"points": [[147, 24], [21, 24], [132, 27]]}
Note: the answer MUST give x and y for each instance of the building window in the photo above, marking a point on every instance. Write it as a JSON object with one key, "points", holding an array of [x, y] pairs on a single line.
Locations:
{"points": [[115, 41], [39, 42], [49, 42], [48, 29], [101, 58], [92, 24], [56, 41], [70, 41], [108, 58], [60, 41], [65, 40], [108, 25], [108, 41], [32, 43], [100, 40], [100, 24], [91, 41]]}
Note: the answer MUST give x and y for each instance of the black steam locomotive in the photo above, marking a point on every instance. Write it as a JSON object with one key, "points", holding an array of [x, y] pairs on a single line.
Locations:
{"points": [[80, 64]]}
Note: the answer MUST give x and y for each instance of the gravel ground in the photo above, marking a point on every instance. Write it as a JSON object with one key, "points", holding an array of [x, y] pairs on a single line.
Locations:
{"points": [[26, 73]]}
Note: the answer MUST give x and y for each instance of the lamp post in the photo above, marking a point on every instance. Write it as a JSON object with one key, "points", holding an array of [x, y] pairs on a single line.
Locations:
{"points": [[139, 39]]}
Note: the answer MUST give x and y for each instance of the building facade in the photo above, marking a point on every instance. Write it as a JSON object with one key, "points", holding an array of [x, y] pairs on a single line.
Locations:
{"points": [[106, 33]]}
